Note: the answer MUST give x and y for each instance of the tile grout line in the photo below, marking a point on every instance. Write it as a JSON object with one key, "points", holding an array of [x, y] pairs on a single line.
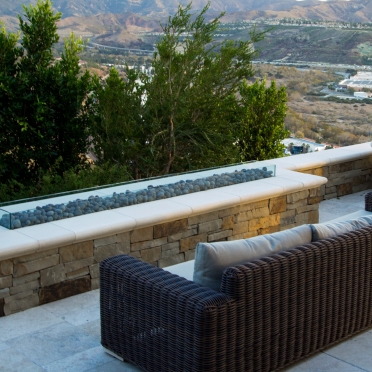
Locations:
{"points": [[353, 365]]}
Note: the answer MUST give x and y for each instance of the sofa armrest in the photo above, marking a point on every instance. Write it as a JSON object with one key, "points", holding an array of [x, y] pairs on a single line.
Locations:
{"points": [[160, 321], [368, 202]]}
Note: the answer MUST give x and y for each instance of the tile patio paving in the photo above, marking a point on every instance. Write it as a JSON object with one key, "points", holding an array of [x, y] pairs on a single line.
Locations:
{"points": [[65, 335]]}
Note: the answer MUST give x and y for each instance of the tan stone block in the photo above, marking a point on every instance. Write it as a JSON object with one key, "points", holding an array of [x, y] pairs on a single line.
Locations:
{"points": [[192, 241], [21, 304], [365, 163], [240, 228], [148, 244], [75, 265], [190, 255], [344, 189], [362, 187], [335, 168], [315, 200], [186, 234], [314, 192], [76, 251], [151, 254], [246, 235], [296, 205], [228, 222], [95, 283], [169, 261], [330, 196], [78, 273], [335, 182], [255, 205], [288, 217], [141, 235], [123, 238], [302, 218], [136, 254], [221, 235], [26, 278], [359, 180], [229, 211], [6, 267], [35, 256], [170, 228], [366, 172], [201, 218], [18, 296], [322, 171], [170, 252], [53, 275], [346, 166], [64, 289], [277, 205], [314, 216], [24, 287], [169, 246], [36, 265], [4, 293], [269, 230], [331, 190], [253, 213], [210, 226], [307, 208], [107, 240], [6, 282], [346, 176], [94, 270], [322, 190], [264, 222], [297, 196]]}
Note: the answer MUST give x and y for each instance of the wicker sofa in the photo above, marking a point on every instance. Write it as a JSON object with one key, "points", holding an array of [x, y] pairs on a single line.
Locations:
{"points": [[269, 313]]}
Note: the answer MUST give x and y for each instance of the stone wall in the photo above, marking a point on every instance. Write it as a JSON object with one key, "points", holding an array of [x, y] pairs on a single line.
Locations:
{"points": [[43, 277], [345, 178]]}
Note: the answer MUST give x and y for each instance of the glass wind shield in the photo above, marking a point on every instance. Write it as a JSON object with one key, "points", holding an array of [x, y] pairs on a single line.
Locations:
{"points": [[29, 212]]}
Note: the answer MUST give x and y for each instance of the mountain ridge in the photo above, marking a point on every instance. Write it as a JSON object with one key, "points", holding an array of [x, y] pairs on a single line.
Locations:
{"points": [[355, 11]]}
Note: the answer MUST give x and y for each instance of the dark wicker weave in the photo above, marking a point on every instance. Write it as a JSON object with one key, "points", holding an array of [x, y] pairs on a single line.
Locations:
{"points": [[368, 202], [271, 312]]}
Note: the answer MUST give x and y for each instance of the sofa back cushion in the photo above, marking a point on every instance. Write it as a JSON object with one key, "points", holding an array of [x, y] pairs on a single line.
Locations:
{"points": [[328, 230], [211, 259]]}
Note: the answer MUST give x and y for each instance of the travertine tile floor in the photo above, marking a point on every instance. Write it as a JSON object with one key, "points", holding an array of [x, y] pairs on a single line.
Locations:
{"points": [[65, 335]]}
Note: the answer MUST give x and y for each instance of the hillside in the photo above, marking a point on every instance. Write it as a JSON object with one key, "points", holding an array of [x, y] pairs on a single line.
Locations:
{"points": [[317, 44], [356, 10]]}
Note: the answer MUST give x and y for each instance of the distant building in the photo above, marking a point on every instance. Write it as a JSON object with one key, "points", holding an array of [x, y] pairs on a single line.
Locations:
{"points": [[360, 81], [297, 146]]}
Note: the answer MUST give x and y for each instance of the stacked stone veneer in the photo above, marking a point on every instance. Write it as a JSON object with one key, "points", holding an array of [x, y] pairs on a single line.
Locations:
{"points": [[57, 273], [345, 178]]}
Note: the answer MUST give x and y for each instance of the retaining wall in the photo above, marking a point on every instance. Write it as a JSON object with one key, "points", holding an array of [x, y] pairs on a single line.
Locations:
{"points": [[44, 263]]}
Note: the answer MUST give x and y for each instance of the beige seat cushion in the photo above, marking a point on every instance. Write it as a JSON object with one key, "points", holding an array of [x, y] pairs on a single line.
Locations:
{"points": [[211, 259], [328, 230]]}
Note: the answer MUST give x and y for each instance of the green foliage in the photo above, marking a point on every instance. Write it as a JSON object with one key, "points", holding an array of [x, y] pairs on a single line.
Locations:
{"points": [[181, 118], [51, 181], [118, 133], [44, 104], [262, 114]]}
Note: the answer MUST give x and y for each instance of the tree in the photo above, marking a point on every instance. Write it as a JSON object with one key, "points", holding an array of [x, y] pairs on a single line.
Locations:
{"points": [[118, 130], [181, 119], [44, 104], [261, 115]]}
